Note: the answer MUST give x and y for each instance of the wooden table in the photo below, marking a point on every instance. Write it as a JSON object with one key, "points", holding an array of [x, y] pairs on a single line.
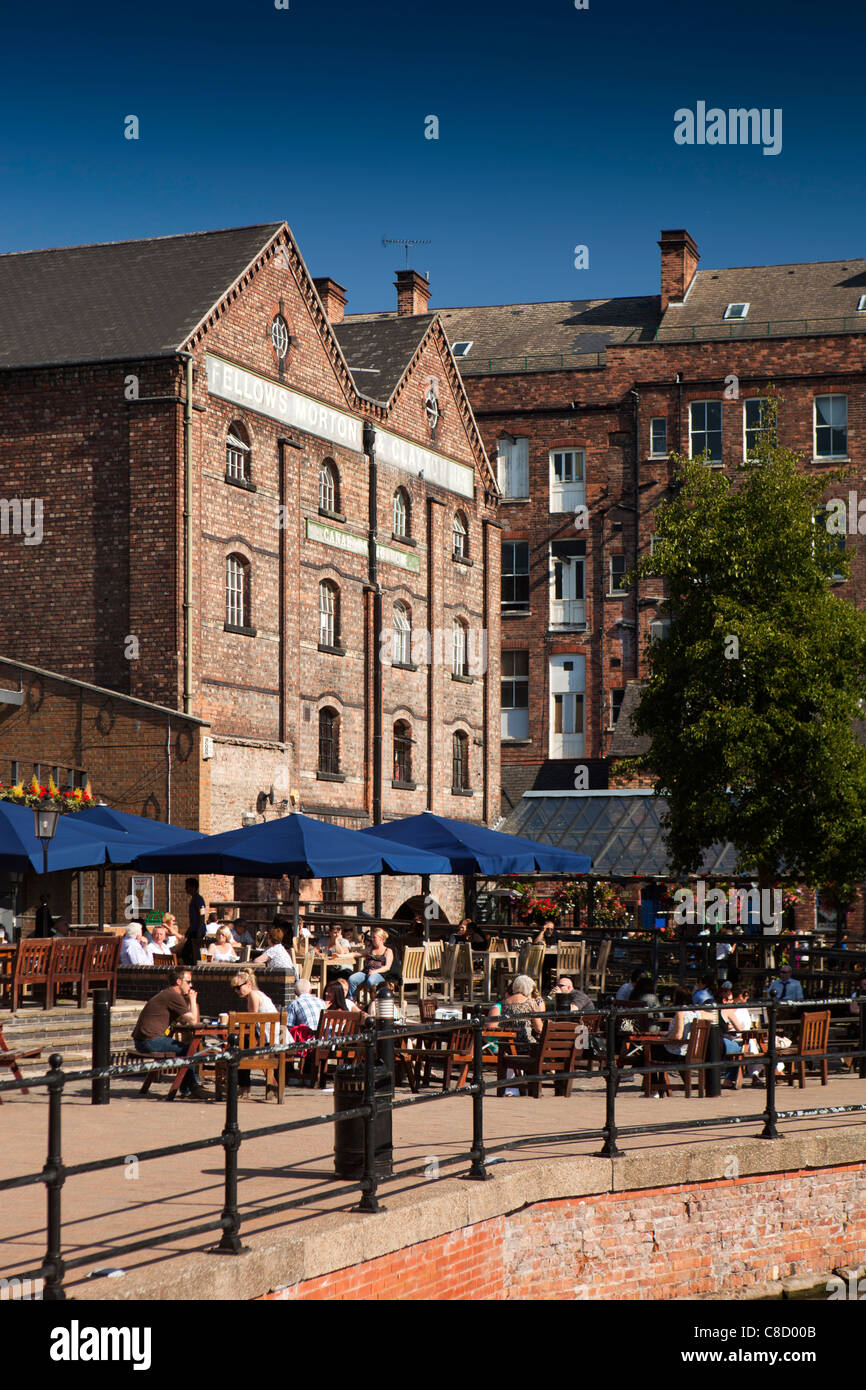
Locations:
{"points": [[196, 1033], [487, 959], [321, 963]]}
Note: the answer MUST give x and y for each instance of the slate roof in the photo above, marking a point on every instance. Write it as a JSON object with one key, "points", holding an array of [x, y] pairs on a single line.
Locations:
{"points": [[379, 350], [625, 742], [121, 299], [783, 295]]}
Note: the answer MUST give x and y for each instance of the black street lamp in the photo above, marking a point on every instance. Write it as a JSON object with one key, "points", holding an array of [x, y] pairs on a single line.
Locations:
{"points": [[45, 827]]}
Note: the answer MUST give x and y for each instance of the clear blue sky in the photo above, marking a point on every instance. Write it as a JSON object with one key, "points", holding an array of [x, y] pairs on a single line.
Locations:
{"points": [[556, 129]]}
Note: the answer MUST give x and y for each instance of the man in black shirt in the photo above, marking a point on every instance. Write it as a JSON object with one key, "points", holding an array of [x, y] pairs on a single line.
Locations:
{"points": [[196, 931]]}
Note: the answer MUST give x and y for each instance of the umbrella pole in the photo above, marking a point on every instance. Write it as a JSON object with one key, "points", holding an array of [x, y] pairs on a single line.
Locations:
{"points": [[425, 890], [100, 882], [295, 908]]}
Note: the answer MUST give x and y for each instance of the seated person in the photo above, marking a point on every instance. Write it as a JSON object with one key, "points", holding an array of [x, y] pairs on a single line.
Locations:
{"points": [[221, 950], [467, 931], [306, 1008], [276, 957], [337, 999], [334, 944], [737, 1024], [242, 934], [159, 941], [286, 927], [378, 961], [177, 1004], [704, 992], [522, 1002], [169, 921], [548, 936], [134, 950], [578, 1001], [625, 990], [785, 987], [251, 1000]]}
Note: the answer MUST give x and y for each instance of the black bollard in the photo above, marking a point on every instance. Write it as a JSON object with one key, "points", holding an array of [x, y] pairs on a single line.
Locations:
{"points": [[715, 1052], [101, 1046]]}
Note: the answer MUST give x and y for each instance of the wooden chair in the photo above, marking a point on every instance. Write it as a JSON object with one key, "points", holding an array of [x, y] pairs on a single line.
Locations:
{"points": [[67, 968], [447, 1050], [552, 1055], [412, 971], [100, 965], [125, 1056], [696, 1051], [466, 974], [333, 1023], [571, 958], [595, 976], [7, 969], [814, 1031], [443, 976], [593, 1024], [10, 1057], [531, 962], [259, 1030], [496, 943], [433, 951], [32, 967]]}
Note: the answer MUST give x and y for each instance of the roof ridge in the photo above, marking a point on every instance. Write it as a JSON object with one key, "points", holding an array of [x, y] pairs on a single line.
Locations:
{"points": [[139, 241]]}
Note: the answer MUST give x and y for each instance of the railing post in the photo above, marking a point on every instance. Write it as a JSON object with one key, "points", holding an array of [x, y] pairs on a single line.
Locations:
{"points": [[609, 1148], [54, 1177], [770, 1130], [478, 1172], [230, 1241], [862, 1048], [100, 1093], [369, 1201]]}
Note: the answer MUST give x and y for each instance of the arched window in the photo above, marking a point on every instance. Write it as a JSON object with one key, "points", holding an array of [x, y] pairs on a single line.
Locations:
{"points": [[329, 486], [329, 614], [460, 536], [401, 512], [402, 751], [460, 762], [329, 740], [238, 453], [402, 635], [237, 591], [460, 657]]}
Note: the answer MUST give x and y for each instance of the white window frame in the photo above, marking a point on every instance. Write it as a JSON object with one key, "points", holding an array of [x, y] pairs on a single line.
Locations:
{"points": [[460, 536], [327, 614], [237, 458], [402, 635], [654, 452], [693, 453], [513, 467], [465, 344], [514, 719], [569, 610], [328, 486], [565, 496], [835, 396], [400, 514], [861, 304], [611, 591], [737, 318], [237, 591], [751, 400], [568, 742], [459, 649], [508, 606]]}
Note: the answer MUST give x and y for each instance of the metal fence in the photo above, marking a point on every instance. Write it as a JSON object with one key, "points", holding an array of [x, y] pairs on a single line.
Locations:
{"points": [[378, 1041]]}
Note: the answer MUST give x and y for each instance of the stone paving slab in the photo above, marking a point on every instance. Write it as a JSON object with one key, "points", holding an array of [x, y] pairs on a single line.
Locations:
{"points": [[160, 1202]]}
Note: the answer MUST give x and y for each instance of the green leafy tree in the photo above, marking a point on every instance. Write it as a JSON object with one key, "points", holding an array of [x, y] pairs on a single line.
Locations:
{"points": [[754, 689]]}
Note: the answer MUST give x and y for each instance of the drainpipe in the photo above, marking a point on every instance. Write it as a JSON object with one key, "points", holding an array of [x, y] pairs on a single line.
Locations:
{"points": [[168, 799], [603, 617], [369, 444], [679, 383], [187, 534], [636, 397]]}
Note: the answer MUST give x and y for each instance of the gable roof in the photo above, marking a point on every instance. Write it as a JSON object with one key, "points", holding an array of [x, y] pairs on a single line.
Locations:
{"points": [[121, 299], [781, 295], [379, 351]]}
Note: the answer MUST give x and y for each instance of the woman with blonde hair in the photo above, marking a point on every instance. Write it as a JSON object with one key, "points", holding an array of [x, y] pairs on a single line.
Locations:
{"points": [[252, 1000], [221, 951]]}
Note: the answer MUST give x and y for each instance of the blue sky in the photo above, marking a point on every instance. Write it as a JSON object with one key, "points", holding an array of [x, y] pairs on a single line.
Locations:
{"points": [[555, 129]]}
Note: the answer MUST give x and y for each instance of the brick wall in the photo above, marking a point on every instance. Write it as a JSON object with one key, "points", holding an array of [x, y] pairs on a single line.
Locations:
{"points": [[669, 1242]]}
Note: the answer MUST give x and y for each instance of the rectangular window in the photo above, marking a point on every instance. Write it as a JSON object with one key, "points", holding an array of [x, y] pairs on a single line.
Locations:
{"points": [[236, 458], [737, 311], [567, 479], [329, 892], [514, 467], [567, 690], [616, 699], [658, 437], [567, 602], [705, 430], [37, 772], [754, 411], [618, 569], [13, 780], [831, 427], [515, 576], [515, 695]]}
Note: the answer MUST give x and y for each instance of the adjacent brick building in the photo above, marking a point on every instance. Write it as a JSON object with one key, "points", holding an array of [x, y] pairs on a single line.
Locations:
{"points": [[258, 515]]}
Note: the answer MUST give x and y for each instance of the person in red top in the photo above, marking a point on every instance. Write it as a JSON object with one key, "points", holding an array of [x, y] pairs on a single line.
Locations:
{"points": [[177, 1004]]}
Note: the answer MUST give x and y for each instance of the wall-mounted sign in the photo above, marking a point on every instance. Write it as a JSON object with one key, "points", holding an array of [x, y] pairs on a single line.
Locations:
{"points": [[269, 398], [357, 545], [141, 888], [425, 463]]}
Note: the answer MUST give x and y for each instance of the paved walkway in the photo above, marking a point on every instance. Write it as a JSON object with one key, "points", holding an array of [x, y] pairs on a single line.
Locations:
{"points": [[161, 1203]]}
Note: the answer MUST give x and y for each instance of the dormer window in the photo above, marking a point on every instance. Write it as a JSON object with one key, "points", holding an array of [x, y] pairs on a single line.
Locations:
{"points": [[461, 349], [736, 311], [861, 304]]}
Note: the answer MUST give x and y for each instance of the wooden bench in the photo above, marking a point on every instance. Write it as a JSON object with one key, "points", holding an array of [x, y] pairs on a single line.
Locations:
{"points": [[66, 968], [10, 1057], [32, 967], [100, 965]]}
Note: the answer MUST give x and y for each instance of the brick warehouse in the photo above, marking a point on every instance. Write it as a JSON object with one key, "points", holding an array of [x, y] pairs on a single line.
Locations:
{"points": [[581, 402], [215, 452]]}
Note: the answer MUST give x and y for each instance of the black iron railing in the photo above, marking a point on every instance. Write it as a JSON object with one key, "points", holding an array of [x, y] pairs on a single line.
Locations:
{"points": [[378, 1041]]}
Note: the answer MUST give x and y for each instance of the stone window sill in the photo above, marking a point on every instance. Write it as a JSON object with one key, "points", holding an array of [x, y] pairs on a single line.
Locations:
{"points": [[241, 483], [403, 540], [332, 516], [464, 680], [404, 786], [330, 776], [332, 651], [461, 791], [403, 666], [463, 560], [241, 631]]}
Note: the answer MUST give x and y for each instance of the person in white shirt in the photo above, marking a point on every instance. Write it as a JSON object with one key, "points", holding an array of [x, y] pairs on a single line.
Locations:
{"points": [[221, 951], [159, 945], [134, 951], [276, 957]]}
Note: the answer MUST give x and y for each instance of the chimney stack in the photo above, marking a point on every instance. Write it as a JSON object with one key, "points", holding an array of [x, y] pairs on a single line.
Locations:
{"points": [[679, 263], [333, 297], [413, 293]]}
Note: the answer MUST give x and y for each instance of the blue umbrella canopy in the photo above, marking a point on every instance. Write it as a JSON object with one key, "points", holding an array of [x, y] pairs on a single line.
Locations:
{"points": [[127, 836], [296, 845], [473, 849], [75, 845]]}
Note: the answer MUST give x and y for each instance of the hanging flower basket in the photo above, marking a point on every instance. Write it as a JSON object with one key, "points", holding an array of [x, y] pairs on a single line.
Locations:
{"points": [[51, 797]]}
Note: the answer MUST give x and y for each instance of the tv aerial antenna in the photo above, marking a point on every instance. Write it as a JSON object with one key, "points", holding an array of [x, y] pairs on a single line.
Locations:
{"points": [[405, 242]]}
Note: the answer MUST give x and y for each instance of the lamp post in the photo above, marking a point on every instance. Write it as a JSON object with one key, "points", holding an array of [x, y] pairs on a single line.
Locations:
{"points": [[45, 827]]}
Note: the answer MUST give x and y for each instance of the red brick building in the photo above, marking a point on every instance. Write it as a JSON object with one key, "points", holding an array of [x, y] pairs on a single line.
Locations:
{"points": [[254, 513]]}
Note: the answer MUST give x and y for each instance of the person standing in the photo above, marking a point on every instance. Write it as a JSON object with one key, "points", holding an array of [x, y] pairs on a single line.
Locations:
{"points": [[44, 920], [196, 931]]}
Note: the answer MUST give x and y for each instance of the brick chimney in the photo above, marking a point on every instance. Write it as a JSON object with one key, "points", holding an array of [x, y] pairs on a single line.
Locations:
{"points": [[333, 297], [679, 263], [413, 293]]}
